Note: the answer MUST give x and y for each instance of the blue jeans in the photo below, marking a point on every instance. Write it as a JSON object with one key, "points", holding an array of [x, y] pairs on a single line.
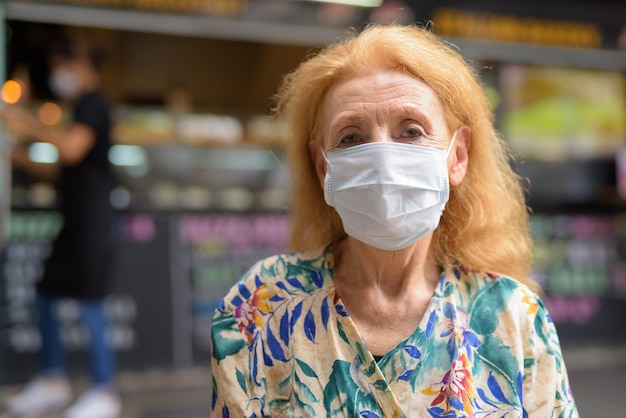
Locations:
{"points": [[51, 355]]}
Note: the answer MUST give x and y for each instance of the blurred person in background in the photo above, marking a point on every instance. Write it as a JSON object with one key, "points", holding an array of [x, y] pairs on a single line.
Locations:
{"points": [[79, 266], [409, 293]]}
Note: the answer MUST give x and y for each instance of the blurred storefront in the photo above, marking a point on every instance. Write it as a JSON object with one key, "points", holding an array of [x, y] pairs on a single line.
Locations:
{"points": [[203, 189]]}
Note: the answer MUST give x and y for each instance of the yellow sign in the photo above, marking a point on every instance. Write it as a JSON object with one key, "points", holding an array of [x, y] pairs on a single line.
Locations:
{"points": [[516, 29]]}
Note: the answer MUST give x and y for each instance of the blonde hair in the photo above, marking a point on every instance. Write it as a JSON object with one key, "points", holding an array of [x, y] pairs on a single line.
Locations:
{"points": [[484, 225]]}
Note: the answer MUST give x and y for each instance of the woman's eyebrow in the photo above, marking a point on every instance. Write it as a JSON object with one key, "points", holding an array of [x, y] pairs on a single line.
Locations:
{"points": [[345, 118], [411, 111]]}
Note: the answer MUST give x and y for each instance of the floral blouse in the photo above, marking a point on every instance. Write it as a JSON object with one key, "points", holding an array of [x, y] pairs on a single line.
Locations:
{"points": [[285, 346]]}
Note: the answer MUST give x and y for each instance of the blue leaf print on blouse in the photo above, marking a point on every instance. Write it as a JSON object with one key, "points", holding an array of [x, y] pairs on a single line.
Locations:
{"points": [[325, 313], [282, 286], [495, 388], [295, 315], [295, 283], [520, 391], [237, 301], [412, 351], [243, 291], [484, 397], [255, 366], [284, 328], [368, 414], [431, 324], [469, 337], [449, 311], [257, 281], [452, 348], [318, 279], [456, 272], [520, 388], [406, 375], [309, 326], [274, 346], [341, 310], [276, 298], [267, 360], [440, 413], [225, 412], [214, 394], [455, 403]]}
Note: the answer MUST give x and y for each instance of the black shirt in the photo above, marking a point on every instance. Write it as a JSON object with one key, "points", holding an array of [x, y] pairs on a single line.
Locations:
{"points": [[81, 260], [85, 187]]}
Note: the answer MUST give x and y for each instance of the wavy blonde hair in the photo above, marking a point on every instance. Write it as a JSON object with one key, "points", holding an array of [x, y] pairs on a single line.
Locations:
{"points": [[484, 225]]}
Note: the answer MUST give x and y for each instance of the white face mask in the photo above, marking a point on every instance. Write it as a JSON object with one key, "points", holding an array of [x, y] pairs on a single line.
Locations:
{"points": [[389, 195], [64, 83]]}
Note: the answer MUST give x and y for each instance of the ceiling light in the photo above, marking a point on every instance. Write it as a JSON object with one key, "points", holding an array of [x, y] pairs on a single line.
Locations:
{"points": [[359, 3]]}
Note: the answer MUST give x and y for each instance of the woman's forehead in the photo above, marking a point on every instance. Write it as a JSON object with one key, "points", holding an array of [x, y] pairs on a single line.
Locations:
{"points": [[383, 87]]}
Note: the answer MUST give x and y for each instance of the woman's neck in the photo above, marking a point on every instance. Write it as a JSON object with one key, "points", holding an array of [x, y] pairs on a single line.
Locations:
{"points": [[393, 273], [385, 293]]}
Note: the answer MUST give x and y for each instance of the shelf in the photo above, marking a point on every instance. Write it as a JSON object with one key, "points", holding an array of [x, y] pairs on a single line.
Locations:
{"points": [[203, 26], [293, 33], [602, 59]]}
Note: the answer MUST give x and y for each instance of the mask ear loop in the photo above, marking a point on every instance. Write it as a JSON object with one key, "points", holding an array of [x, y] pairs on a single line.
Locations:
{"points": [[447, 155], [324, 154], [451, 143], [328, 183]]}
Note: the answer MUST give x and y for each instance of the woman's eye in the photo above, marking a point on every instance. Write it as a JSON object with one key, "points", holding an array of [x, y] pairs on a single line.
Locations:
{"points": [[412, 132], [350, 139]]}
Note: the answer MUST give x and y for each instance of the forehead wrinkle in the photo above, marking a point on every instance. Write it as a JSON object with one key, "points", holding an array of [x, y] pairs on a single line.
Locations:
{"points": [[417, 111], [388, 111], [354, 112], [407, 98]]}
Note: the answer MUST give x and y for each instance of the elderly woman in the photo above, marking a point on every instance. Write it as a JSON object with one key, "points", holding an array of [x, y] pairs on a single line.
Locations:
{"points": [[408, 294]]}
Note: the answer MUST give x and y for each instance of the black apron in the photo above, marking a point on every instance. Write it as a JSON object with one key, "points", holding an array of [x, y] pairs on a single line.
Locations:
{"points": [[81, 260]]}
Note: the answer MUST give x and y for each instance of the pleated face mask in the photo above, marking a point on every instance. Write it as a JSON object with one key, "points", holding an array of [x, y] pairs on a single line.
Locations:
{"points": [[389, 195]]}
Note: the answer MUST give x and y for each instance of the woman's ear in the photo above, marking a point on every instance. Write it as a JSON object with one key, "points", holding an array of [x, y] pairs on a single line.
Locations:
{"points": [[459, 155], [319, 162]]}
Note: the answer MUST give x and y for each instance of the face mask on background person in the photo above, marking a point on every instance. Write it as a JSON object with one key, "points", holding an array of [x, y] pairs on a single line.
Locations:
{"points": [[64, 84], [389, 195]]}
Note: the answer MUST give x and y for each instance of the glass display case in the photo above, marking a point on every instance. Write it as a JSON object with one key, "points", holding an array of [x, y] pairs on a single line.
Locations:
{"points": [[567, 128]]}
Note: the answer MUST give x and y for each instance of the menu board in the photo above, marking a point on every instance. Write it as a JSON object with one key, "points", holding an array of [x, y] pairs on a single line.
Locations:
{"points": [[22, 266], [137, 309], [580, 261], [5, 190], [140, 307], [221, 247]]}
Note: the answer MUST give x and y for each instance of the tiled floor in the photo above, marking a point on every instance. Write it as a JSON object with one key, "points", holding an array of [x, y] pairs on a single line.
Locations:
{"points": [[600, 394], [157, 394], [598, 380]]}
